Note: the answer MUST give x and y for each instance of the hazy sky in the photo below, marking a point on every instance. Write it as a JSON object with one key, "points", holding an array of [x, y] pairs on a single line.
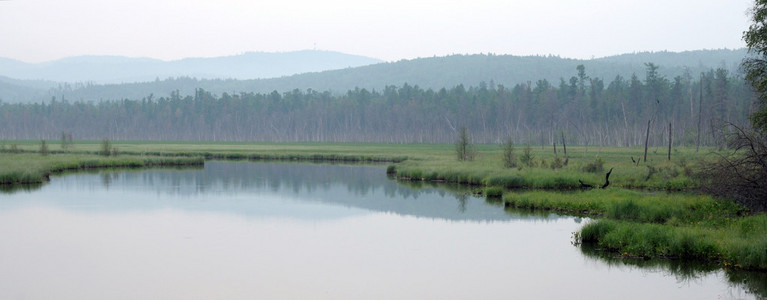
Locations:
{"points": [[42, 30]]}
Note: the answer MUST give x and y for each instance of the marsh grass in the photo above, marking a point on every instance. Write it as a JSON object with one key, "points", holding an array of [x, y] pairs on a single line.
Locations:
{"points": [[28, 168], [494, 192], [635, 222], [437, 162], [660, 224], [727, 243]]}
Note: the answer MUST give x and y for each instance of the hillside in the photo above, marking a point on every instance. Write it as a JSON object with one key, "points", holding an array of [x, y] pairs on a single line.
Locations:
{"points": [[434, 73]]}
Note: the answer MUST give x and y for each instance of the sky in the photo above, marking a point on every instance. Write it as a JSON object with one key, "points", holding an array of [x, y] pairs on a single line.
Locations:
{"points": [[391, 30]]}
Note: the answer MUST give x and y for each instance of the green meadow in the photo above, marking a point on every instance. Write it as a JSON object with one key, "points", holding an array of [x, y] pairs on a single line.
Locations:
{"points": [[649, 209]]}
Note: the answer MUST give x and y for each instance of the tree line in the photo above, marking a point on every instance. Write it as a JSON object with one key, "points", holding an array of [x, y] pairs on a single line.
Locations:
{"points": [[585, 110]]}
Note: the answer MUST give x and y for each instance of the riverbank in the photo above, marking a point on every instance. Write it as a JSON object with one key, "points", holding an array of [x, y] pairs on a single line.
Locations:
{"points": [[635, 216], [28, 168], [657, 224]]}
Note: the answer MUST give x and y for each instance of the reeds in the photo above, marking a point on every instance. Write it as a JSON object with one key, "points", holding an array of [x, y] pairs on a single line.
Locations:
{"points": [[31, 169]]}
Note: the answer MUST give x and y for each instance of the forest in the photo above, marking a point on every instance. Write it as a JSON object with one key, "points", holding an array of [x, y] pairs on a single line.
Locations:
{"points": [[582, 109], [80, 82]]}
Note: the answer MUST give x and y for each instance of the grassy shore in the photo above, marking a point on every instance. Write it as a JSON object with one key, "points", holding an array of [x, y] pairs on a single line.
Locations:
{"points": [[639, 223], [28, 168], [545, 171], [640, 214]]}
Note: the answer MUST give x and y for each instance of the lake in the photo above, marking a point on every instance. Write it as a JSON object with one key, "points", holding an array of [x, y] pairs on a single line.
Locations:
{"points": [[243, 230]]}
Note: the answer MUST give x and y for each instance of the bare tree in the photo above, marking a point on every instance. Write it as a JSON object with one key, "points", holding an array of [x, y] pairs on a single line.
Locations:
{"points": [[740, 174]]}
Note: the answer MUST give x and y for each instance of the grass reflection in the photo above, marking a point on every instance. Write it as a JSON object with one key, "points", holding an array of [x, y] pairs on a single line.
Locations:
{"points": [[753, 282]]}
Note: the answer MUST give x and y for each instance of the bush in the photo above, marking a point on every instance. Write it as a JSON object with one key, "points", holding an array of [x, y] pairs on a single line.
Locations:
{"points": [[106, 148], [494, 192], [391, 169], [741, 173], [509, 157], [597, 166], [44, 148], [463, 147], [527, 158], [557, 163]]}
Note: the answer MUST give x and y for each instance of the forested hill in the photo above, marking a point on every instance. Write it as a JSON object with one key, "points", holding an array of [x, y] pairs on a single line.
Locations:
{"points": [[585, 110], [434, 73]]}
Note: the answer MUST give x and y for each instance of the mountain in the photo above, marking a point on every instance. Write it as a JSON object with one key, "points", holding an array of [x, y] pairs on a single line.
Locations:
{"points": [[433, 72], [116, 69]]}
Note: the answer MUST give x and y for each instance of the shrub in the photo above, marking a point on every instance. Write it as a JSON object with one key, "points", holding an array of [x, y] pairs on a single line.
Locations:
{"points": [[44, 148], [527, 158], [106, 148], [494, 192], [463, 146], [509, 157], [597, 166], [557, 163], [391, 169]]}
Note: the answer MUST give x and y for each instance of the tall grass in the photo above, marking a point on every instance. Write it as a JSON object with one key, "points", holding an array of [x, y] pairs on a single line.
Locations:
{"points": [[31, 169], [632, 222], [660, 224], [739, 243]]}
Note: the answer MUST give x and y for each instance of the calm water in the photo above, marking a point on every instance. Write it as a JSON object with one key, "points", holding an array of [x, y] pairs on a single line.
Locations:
{"points": [[252, 230]]}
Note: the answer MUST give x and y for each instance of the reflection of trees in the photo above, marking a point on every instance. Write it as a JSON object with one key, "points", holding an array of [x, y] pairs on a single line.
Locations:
{"points": [[107, 177], [347, 185], [683, 270]]}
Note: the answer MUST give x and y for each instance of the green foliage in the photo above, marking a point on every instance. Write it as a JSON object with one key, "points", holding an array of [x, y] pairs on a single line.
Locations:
{"points": [[494, 192], [66, 141], [463, 148], [33, 169], [527, 158], [391, 170], [597, 166], [44, 148], [509, 157], [756, 65], [106, 148], [557, 163]]}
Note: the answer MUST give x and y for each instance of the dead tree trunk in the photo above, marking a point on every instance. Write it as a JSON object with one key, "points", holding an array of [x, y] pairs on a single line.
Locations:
{"points": [[564, 145], [700, 109], [555, 149], [647, 139], [626, 127], [669, 141], [607, 178], [606, 184]]}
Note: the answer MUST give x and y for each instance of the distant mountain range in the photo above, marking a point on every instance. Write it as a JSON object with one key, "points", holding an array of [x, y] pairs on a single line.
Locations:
{"points": [[95, 78], [117, 69]]}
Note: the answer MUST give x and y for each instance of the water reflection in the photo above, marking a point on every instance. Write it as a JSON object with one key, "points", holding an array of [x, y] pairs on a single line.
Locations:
{"points": [[258, 189], [254, 222], [685, 271], [14, 188]]}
